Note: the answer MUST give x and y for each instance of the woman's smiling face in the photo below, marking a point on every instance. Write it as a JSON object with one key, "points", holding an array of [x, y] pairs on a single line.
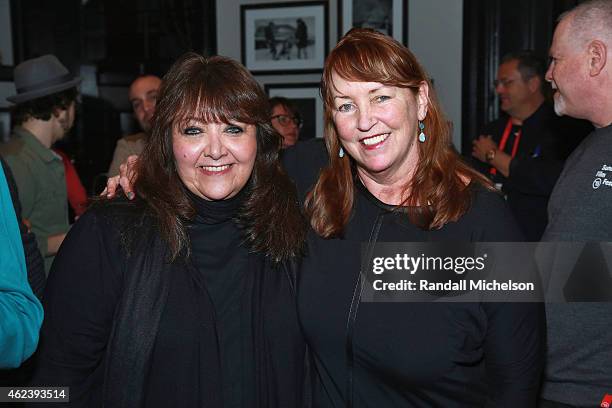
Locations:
{"points": [[378, 124], [214, 160]]}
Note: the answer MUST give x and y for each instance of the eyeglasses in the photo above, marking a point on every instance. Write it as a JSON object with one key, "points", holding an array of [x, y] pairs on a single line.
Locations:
{"points": [[503, 82], [285, 120]]}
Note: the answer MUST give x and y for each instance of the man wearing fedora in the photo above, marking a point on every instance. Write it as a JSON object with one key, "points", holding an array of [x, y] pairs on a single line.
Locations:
{"points": [[43, 113]]}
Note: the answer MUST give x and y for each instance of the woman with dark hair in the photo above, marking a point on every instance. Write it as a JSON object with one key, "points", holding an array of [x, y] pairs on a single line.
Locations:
{"points": [[183, 297], [286, 119], [393, 176]]}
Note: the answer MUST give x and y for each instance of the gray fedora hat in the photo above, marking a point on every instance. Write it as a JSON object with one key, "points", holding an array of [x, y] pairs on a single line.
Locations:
{"points": [[42, 76]]}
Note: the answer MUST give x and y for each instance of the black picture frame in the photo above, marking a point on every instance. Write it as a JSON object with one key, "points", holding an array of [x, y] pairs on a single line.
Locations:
{"points": [[307, 99], [397, 24], [271, 42]]}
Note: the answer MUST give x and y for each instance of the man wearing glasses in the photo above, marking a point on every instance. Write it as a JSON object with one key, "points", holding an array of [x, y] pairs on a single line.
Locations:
{"points": [[286, 120], [523, 151]]}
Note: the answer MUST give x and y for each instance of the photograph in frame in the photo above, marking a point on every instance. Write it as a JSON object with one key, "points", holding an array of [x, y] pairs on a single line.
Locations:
{"points": [[287, 37], [307, 101], [390, 17]]}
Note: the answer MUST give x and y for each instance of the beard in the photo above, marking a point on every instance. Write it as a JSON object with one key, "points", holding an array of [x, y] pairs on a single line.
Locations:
{"points": [[559, 104], [146, 127]]}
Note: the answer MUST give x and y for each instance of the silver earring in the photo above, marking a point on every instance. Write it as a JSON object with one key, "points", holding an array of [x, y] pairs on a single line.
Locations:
{"points": [[422, 136], [341, 152]]}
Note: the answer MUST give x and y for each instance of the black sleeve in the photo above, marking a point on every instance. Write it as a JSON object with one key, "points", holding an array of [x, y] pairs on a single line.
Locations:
{"points": [[534, 176], [514, 343], [493, 216], [83, 288], [34, 260], [535, 172], [514, 353]]}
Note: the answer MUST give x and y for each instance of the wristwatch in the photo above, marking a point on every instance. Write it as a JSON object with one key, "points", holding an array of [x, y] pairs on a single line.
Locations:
{"points": [[490, 155]]}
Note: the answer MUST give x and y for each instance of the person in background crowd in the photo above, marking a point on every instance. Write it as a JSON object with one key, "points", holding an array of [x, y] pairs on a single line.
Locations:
{"points": [[35, 268], [35, 264], [44, 113], [523, 150], [20, 311], [286, 120], [143, 97], [579, 349], [185, 296]]}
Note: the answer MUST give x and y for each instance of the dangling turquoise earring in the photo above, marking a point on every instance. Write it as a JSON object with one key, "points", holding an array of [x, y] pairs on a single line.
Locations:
{"points": [[422, 136], [341, 152]]}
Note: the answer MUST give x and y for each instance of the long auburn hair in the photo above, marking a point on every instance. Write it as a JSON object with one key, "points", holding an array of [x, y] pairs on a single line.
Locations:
{"points": [[218, 89], [438, 185]]}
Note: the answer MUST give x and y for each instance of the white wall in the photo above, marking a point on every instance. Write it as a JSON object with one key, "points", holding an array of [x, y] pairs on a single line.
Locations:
{"points": [[435, 35]]}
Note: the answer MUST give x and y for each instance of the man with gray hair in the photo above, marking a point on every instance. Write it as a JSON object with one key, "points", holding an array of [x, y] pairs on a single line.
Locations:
{"points": [[579, 362]]}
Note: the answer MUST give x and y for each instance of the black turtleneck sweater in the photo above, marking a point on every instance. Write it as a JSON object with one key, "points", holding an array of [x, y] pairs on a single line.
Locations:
{"points": [[222, 260], [215, 329]]}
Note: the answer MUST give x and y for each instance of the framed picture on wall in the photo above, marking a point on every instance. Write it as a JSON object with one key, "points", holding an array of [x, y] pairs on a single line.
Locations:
{"points": [[387, 16], [284, 37], [307, 101]]}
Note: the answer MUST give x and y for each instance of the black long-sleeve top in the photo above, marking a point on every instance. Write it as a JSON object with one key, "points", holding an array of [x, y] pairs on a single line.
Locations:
{"points": [[413, 354], [216, 329], [418, 354]]}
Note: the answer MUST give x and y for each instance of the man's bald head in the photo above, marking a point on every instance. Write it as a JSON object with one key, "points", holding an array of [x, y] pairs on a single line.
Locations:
{"points": [[591, 20], [580, 70], [143, 97]]}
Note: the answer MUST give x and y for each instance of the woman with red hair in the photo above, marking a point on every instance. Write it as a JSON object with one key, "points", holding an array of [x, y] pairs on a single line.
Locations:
{"points": [[393, 176]]}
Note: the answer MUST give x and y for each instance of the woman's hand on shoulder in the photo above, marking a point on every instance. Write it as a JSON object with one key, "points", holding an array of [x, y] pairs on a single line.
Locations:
{"points": [[126, 178]]}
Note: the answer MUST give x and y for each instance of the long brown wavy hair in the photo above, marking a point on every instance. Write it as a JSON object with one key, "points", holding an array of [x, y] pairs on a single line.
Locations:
{"points": [[438, 185], [218, 89]]}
